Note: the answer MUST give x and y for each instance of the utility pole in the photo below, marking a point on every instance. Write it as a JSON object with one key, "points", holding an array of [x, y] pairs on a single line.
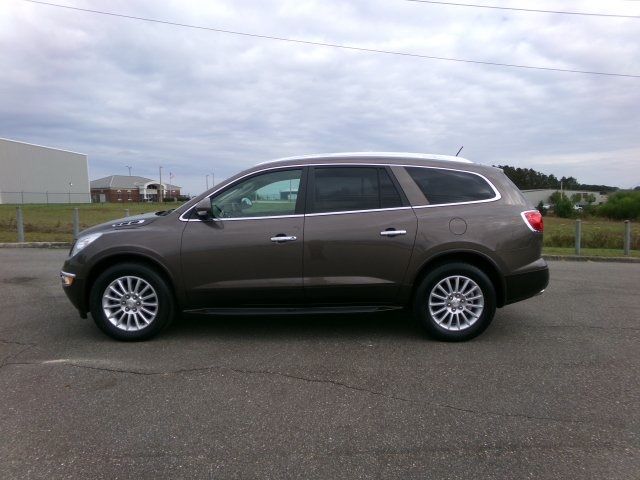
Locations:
{"points": [[70, 185], [160, 185], [207, 180], [129, 169], [212, 180]]}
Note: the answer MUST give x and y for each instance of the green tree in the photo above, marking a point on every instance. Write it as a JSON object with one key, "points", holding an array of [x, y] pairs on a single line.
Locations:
{"points": [[576, 197], [564, 208], [555, 197], [541, 209], [528, 178], [623, 205], [570, 183]]}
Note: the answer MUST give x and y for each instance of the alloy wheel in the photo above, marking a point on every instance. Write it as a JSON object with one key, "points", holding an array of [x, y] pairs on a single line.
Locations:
{"points": [[130, 303], [456, 302]]}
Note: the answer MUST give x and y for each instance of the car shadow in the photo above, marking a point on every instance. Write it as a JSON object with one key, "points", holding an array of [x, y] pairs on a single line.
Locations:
{"points": [[387, 324]]}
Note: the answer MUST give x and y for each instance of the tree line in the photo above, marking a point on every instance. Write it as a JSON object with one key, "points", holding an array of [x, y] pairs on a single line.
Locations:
{"points": [[528, 179]]}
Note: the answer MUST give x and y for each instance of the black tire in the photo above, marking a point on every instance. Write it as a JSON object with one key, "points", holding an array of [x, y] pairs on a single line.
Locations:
{"points": [[164, 312], [478, 324]]}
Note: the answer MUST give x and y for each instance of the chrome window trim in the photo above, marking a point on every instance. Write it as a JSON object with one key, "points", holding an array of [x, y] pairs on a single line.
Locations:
{"points": [[497, 196], [346, 212], [453, 204], [242, 218]]}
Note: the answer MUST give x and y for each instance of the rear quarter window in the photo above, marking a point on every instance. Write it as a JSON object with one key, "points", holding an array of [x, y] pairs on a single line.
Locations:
{"points": [[450, 186]]}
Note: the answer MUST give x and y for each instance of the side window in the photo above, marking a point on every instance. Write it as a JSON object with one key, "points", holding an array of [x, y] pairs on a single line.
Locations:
{"points": [[268, 194], [448, 186], [389, 196], [340, 189]]}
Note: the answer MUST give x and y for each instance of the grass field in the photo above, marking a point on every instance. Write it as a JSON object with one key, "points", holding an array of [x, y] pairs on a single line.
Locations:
{"points": [[589, 252], [54, 223], [597, 233]]}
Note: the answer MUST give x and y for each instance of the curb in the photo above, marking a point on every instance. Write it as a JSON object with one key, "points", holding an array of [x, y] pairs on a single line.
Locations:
{"points": [[36, 245], [589, 258]]}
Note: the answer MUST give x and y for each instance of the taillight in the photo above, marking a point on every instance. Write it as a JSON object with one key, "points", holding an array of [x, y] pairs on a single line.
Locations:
{"points": [[533, 219]]}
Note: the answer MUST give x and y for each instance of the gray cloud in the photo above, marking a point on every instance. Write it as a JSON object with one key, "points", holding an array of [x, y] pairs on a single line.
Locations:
{"points": [[134, 93]]}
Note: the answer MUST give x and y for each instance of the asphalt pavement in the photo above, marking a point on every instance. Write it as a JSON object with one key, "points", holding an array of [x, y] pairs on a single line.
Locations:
{"points": [[550, 390]]}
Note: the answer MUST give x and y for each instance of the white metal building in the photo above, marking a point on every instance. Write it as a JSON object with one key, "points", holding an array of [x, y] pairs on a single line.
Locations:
{"points": [[36, 174], [544, 195]]}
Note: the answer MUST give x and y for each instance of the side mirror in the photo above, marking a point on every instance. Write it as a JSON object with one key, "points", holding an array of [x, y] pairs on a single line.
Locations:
{"points": [[203, 209]]}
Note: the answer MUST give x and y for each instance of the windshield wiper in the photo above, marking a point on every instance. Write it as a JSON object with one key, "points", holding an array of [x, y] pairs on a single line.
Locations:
{"points": [[163, 213]]}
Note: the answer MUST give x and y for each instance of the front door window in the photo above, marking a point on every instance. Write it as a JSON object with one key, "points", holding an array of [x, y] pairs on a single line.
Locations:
{"points": [[268, 194]]}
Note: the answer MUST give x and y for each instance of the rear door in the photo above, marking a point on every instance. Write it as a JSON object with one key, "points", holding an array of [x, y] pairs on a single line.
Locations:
{"points": [[359, 234], [250, 256]]}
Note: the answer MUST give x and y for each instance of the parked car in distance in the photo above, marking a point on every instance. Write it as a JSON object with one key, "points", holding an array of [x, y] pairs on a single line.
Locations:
{"points": [[337, 233], [577, 208]]}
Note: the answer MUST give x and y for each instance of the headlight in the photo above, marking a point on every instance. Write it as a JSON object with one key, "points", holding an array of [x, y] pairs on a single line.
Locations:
{"points": [[84, 241]]}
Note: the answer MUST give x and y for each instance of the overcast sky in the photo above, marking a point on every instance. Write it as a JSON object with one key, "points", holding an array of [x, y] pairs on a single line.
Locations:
{"points": [[127, 92]]}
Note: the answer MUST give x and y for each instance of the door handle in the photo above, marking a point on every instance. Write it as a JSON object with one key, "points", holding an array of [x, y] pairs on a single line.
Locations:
{"points": [[281, 238], [392, 233]]}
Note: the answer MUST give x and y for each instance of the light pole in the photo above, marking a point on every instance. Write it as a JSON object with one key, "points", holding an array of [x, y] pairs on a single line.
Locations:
{"points": [[160, 185], [207, 179], [129, 169], [70, 185]]}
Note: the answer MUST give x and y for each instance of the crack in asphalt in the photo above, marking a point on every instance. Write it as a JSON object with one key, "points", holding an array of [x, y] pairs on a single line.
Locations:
{"points": [[308, 380], [322, 381], [596, 327], [408, 400], [14, 342], [5, 360]]}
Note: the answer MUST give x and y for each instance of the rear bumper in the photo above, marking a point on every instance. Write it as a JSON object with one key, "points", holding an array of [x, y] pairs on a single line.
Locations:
{"points": [[530, 283]]}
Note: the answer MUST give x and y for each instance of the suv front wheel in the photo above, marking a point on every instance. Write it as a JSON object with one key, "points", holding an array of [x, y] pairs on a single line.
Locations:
{"points": [[455, 302], [130, 301]]}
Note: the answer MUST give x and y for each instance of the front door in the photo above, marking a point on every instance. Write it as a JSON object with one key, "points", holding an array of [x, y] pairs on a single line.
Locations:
{"points": [[251, 255], [359, 235]]}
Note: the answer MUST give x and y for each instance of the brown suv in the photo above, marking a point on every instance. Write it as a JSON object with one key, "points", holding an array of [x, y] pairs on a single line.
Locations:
{"points": [[320, 234]]}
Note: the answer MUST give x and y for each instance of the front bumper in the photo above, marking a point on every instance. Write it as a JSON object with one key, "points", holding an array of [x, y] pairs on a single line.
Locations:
{"points": [[73, 287], [527, 284]]}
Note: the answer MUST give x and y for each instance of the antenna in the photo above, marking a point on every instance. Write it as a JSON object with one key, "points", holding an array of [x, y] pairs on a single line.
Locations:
{"points": [[459, 150]]}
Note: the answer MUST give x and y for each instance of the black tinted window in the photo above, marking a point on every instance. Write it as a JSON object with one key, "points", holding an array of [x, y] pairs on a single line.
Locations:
{"points": [[338, 189], [389, 196], [447, 186]]}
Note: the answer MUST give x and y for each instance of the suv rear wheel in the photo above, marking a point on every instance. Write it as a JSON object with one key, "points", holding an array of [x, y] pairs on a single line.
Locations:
{"points": [[130, 301], [455, 302]]}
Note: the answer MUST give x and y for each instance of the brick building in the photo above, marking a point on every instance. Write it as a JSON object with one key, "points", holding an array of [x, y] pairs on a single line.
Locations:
{"points": [[125, 189]]}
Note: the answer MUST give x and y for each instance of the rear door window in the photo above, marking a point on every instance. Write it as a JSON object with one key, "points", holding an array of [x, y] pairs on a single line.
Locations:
{"points": [[340, 189], [441, 186]]}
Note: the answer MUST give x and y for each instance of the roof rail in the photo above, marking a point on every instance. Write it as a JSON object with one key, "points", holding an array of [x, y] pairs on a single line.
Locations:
{"points": [[421, 156]]}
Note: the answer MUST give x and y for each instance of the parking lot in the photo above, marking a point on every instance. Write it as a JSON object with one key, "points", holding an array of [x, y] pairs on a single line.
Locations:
{"points": [[550, 390]]}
